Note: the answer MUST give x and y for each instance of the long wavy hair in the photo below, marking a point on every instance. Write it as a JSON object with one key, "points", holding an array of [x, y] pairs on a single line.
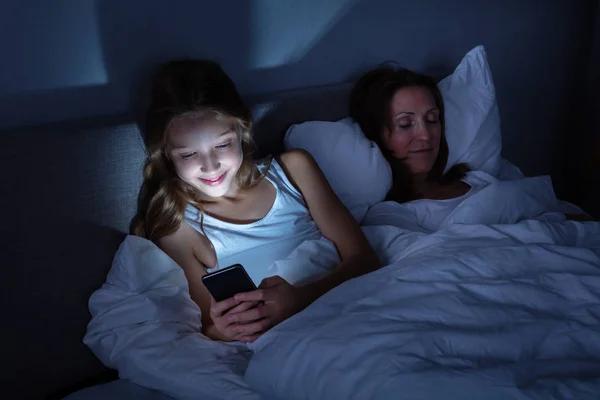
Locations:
{"points": [[370, 106], [180, 89]]}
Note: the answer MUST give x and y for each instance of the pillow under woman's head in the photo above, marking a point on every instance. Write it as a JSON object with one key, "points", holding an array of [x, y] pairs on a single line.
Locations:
{"points": [[470, 117], [353, 165]]}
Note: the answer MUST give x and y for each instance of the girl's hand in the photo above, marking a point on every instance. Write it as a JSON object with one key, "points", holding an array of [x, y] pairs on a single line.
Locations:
{"points": [[220, 312], [277, 300]]}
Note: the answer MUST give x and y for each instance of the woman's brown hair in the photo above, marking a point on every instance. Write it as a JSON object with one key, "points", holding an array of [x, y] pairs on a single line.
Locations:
{"points": [[180, 89], [370, 106]]}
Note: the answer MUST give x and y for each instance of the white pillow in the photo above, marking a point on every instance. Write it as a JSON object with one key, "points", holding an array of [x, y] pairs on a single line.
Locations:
{"points": [[472, 118], [354, 165]]}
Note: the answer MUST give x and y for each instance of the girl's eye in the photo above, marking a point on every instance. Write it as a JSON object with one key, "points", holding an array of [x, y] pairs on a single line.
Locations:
{"points": [[188, 155], [432, 121], [224, 145]]}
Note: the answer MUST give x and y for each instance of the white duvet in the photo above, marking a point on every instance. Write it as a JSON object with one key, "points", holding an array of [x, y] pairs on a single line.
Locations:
{"points": [[494, 311], [472, 311], [145, 325]]}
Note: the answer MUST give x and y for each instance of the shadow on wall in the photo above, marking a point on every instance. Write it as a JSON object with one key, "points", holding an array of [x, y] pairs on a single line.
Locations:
{"points": [[269, 46], [138, 35], [52, 58], [94, 53]]}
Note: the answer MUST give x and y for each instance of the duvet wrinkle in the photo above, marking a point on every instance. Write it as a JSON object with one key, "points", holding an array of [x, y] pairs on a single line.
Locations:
{"points": [[461, 313]]}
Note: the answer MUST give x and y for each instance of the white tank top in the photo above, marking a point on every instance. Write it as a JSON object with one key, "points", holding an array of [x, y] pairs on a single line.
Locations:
{"points": [[259, 245]]}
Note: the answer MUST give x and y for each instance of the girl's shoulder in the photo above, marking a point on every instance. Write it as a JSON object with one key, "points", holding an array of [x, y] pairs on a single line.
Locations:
{"points": [[297, 162], [186, 245], [295, 158], [292, 167]]}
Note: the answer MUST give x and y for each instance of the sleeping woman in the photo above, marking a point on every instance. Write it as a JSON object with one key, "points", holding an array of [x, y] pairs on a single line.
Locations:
{"points": [[403, 112]]}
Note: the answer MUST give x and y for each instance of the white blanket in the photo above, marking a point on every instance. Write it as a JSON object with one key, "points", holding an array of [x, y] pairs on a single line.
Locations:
{"points": [[490, 201], [493, 305], [145, 325], [472, 311], [469, 312]]}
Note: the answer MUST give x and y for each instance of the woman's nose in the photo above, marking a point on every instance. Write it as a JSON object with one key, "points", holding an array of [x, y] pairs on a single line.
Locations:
{"points": [[422, 131]]}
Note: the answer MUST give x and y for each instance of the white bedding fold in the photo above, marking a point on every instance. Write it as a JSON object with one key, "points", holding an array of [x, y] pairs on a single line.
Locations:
{"points": [[146, 326], [490, 201], [472, 311], [492, 311]]}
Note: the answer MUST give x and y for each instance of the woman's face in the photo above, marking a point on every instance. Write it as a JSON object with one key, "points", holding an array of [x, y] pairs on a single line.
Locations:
{"points": [[206, 154], [415, 131]]}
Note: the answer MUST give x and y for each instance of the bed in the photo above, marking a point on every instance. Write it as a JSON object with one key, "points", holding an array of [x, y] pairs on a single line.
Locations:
{"points": [[503, 301]]}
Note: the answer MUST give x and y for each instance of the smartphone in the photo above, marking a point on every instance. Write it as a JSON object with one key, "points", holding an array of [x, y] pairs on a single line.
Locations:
{"points": [[228, 282]]}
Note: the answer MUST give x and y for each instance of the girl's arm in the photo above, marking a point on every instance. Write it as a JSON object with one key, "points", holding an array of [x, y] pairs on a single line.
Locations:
{"points": [[334, 221], [192, 252], [277, 298]]}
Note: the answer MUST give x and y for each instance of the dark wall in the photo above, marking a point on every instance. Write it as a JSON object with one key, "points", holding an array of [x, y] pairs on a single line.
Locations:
{"points": [[579, 180], [68, 59], [592, 187]]}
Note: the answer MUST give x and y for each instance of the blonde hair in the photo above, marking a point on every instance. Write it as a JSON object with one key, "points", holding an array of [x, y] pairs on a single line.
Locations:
{"points": [[181, 89]]}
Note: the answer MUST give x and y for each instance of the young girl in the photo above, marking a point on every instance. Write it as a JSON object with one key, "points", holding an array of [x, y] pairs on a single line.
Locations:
{"points": [[205, 201]]}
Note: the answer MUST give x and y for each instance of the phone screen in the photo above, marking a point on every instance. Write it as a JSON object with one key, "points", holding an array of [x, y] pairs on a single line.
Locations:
{"points": [[228, 282]]}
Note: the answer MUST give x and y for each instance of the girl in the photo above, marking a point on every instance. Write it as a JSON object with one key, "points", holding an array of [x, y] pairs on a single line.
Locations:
{"points": [[204, 200]]}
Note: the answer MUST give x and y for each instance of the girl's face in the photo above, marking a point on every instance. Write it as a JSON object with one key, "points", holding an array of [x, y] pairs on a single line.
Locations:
{"points": [[415, 131], [206, 153]]}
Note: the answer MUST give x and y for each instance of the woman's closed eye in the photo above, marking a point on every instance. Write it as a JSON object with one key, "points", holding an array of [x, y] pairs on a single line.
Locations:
{"points": [[405, 123], [432, 117], [187, 156]]}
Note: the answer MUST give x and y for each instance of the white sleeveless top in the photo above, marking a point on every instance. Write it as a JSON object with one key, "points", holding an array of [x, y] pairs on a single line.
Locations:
{"points": [[274, 245]]}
